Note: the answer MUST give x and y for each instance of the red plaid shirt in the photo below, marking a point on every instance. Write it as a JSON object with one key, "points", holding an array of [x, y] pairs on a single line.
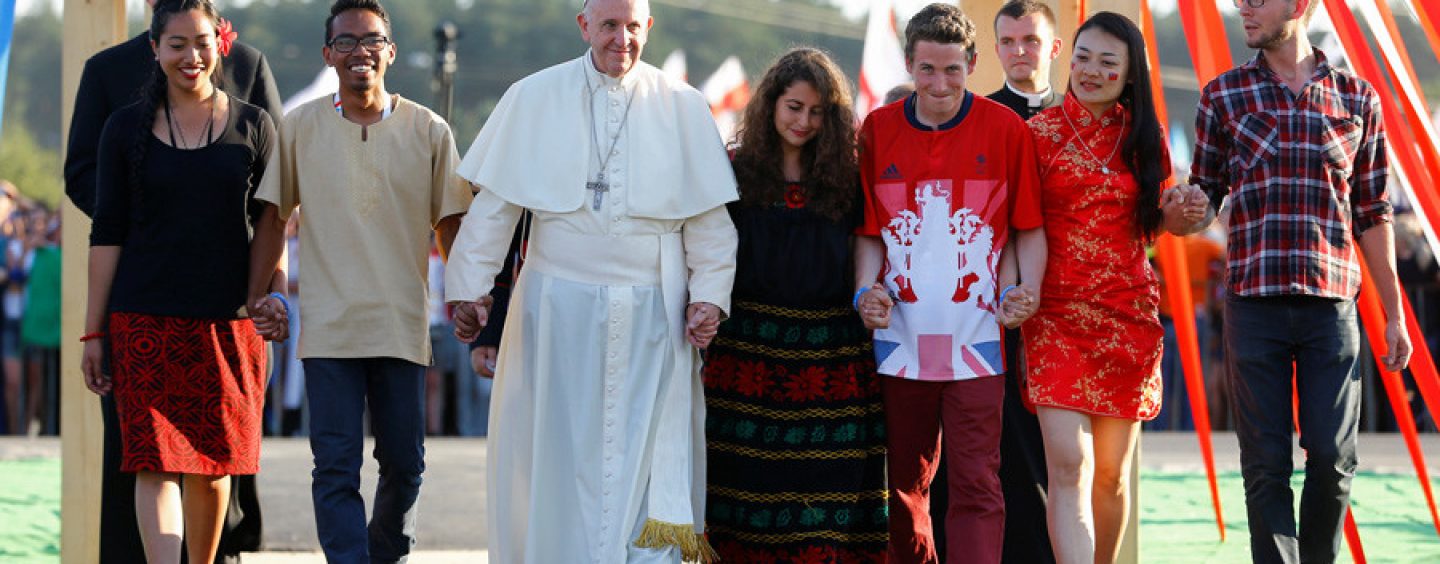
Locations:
{"points": [[1304, 175]]}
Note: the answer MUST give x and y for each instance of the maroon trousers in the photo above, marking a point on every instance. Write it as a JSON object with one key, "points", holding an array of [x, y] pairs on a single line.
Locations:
{"points": [[969, 412]]}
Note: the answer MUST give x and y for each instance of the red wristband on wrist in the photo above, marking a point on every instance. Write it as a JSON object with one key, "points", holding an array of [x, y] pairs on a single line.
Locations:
{"points": [[91, 336]]}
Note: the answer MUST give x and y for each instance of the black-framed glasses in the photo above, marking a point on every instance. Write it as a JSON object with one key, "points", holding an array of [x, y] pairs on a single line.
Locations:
{"points": [[348, 43], [1253, 4]]}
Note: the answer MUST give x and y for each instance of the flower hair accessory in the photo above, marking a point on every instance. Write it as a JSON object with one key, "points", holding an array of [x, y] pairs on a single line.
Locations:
{"points": [[225, 36]]}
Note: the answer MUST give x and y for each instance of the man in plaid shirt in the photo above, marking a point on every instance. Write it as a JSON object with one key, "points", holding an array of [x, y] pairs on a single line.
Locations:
{"points": [[1299, 148]]}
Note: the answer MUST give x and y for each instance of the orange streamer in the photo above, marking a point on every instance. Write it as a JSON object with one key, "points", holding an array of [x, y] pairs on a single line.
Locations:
{"points": [[1373, 317], [1211, 54], [1411, 154], [1422, 365], [1209, 48], [1393, 29], [1426, 10]]}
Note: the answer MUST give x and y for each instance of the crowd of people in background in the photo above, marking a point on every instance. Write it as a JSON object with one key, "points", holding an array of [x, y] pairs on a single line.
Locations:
{"points": [[30, 304]]}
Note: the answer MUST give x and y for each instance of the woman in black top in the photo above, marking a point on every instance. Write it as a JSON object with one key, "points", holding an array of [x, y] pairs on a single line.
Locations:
{"points": [[169, 260], [794, 427]]}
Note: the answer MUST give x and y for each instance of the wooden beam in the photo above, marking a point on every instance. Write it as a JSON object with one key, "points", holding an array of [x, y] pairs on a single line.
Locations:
{"points": [[88, 26]]}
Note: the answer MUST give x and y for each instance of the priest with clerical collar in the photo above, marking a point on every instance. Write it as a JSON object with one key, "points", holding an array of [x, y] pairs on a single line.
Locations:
{"points": [[597, 446], [1026, 44]]}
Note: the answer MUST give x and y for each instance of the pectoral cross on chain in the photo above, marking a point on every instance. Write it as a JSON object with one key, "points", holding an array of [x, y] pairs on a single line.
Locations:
{"points": [[600, 186]]}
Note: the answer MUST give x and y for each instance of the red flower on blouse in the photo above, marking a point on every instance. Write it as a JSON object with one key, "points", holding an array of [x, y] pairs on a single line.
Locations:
{"points": [[794, 196], [225, 36]]}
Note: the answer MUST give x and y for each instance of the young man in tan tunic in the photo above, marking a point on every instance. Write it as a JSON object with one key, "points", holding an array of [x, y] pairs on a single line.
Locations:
{"points": [[375, 174]]}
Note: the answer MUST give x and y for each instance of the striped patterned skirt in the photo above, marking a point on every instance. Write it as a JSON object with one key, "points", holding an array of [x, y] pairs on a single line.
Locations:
{"points": [[795, 437]]}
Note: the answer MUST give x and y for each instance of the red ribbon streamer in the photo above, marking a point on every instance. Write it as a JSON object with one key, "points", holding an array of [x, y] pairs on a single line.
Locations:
{"points": [[1374, 320], [1170, 252]]}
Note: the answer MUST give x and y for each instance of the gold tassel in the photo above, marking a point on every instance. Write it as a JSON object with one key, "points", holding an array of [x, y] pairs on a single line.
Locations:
{"points": [[693, 546]]}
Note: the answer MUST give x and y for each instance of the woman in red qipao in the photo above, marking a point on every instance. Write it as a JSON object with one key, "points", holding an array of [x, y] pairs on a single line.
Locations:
{"points": [[1093, 346]]}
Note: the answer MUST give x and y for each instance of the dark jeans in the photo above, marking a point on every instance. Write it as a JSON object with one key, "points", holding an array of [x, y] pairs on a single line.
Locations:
{"points": [[1263, 337], [338, 390]]}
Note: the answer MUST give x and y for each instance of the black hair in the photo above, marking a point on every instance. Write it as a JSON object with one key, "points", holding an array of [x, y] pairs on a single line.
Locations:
{"points": [[1016, 9], [154, 92], [342, 6], [1142, 148]]}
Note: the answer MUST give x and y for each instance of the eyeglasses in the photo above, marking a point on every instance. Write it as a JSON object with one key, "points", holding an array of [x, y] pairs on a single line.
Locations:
{"points": [[1253, 4], [348, 43]]}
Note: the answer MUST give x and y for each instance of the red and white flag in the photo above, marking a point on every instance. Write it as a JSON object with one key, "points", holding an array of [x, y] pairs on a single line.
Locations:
{"points": [[882, 63], [727, 91]]}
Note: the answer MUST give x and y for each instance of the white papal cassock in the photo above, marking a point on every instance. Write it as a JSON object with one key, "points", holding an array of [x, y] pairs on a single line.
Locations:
{"points": [[596, 442]]}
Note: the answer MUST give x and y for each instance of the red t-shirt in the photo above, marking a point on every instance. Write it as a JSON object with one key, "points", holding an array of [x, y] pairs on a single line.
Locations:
{"points": [[943, 201]]}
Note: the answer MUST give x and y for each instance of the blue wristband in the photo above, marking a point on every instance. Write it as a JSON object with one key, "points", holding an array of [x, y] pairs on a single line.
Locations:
{"points": [[855, 302], [1006, 291], [283, 301]]}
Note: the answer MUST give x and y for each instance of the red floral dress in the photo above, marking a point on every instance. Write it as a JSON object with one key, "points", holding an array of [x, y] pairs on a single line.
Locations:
{"points": [[1094, 345]]}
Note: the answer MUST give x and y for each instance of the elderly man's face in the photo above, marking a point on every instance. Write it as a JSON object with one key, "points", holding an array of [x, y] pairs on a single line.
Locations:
{"points": [[616, 31]]}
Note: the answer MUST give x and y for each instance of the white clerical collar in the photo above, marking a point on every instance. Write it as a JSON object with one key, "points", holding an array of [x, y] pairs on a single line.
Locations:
{"points": [[601, 80], [1036, 100]]}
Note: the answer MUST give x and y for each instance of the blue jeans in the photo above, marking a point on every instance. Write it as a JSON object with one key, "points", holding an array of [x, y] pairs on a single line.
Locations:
{"points": [[1263, 337], [338, 390]]}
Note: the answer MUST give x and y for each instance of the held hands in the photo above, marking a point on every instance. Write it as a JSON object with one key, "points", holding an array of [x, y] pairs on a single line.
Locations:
{"points": [[1020, 303], [471, 317], [1397, 346], [90, 366], [874, 306], [702, 321], [271, 317], [482, 359], [1186, 206]]}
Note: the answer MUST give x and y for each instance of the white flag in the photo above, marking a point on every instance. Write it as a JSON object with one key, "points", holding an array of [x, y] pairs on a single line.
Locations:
{"points": [[674, 66], [882, 63]]}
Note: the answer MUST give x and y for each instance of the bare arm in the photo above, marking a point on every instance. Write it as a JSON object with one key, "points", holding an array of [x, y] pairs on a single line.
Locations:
{"points": [[445, 233], [265, 252], [1009, 267], [1031, 254], [1377, 247], [869, 258], [103, 260], [875, 304]]}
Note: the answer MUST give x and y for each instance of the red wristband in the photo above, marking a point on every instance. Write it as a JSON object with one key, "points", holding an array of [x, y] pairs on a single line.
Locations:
{"points": [[91, 336]]}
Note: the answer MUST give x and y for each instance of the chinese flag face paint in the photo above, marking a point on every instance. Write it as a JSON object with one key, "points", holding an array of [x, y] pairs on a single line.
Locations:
{"points": [[1098, 67]]}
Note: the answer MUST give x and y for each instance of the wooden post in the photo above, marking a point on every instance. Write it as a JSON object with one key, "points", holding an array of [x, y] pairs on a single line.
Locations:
{"points": [[987, 78], [88, 26]]}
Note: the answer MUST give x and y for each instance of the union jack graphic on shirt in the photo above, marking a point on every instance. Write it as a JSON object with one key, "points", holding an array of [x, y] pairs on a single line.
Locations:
{"points": [[940, 266]]}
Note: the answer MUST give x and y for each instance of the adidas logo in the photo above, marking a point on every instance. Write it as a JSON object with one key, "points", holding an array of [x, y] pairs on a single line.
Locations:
{"points": [[891, 173]]}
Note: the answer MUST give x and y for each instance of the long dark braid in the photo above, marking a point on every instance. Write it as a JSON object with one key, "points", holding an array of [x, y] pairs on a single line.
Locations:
{"points": [[155, 93]]}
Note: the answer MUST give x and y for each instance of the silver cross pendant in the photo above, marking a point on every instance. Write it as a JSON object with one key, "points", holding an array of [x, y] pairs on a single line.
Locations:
{"points": [[600, 186]]}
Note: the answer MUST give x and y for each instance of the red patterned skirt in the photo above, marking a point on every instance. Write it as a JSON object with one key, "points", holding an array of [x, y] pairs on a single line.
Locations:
{"points": [[189, 392]]}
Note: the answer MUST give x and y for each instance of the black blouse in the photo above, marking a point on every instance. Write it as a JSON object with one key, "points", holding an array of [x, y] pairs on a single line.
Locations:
{"points": [[186, 238], [791, 256]]}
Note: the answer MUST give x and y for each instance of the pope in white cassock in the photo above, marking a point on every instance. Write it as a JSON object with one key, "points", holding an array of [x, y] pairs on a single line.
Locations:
{"points": [[597, 447]]}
